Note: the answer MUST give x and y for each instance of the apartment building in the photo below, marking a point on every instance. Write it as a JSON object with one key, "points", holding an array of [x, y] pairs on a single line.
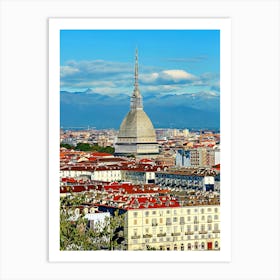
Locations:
{"points": [[161, 227]]}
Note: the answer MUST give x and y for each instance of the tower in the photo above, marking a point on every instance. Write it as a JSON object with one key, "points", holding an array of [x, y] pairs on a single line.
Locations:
{"points": [[136, 134]]}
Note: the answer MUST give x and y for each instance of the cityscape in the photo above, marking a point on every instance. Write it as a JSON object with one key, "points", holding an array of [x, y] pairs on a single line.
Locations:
{"points": [[138, 186]]}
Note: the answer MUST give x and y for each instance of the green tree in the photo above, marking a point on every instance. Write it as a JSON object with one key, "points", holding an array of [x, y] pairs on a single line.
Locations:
{"points": [[67, 146], [76, 234], [85, 147]]}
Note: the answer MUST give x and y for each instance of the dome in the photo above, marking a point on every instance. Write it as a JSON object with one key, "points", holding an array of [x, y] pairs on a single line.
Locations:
{"points": [[137, 124], [136, 134]]}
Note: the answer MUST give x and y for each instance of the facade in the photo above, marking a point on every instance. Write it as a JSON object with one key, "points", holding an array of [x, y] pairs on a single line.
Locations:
{"points": [[195, 179], [173, 228], [197, 157], [136, 135]]}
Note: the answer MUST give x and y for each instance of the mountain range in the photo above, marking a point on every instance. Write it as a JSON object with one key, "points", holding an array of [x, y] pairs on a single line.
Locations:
{"points": [[89, 108]]}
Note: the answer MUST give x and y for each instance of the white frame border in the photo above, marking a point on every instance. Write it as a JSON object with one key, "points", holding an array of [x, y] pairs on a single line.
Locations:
{"points": [[222, 24]]}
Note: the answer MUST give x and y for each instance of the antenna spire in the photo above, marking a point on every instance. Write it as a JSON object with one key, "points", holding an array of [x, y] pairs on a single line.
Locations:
{"points": [[136, 98], [136, 70]]}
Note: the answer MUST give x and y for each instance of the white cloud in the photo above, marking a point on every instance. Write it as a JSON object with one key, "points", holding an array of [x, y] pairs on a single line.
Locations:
{"points": [[111, 78], [68, 70], [148, 78], [177, 75]]}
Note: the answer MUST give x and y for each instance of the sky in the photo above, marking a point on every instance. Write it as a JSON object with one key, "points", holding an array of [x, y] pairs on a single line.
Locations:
{"points": [[176, 61], [176, 67]]}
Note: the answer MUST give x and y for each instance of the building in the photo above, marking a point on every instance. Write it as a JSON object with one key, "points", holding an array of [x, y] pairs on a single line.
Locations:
{"points": [[136, 135], [153, 218], [198, 157], [188, 178], [160, 227]]}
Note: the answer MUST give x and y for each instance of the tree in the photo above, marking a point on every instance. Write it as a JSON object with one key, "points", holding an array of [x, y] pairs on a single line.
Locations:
{"points": [[67, 146], [77, 234], [85, 147]]}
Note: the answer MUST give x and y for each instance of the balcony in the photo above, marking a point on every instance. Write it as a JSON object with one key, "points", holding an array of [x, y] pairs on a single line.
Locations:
{"points": [[175, 233], [147, 236], [168, 223], [161, 234], [202, 232], [188, 232], [135, 237], [216, 231]]}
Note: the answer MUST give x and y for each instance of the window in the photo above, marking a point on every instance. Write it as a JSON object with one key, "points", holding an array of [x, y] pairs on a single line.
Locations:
{"points": [[147, 221], [202, 211], [189, 211], [154, 212], [135, 222], [189, 246], [209, 227], [216, 244], [175, 219], [216, 210], [135, 214], [182, 247], [147, 213], [216, 217], [168, 221], [202, 245]]}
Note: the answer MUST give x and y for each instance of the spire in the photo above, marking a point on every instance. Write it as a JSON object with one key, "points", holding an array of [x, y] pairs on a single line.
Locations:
{"points": [[136, 98], [136, 70]]}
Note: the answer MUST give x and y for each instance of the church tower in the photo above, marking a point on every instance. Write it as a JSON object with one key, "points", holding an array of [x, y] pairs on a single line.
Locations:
{"points": [[136, 135]]}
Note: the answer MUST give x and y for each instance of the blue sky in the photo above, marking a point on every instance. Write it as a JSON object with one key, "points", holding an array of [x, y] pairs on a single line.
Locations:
{"points": [[170, 61]]}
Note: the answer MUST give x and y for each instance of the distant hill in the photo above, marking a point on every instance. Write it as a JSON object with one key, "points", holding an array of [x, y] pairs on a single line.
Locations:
{"points": [[102, 111]]}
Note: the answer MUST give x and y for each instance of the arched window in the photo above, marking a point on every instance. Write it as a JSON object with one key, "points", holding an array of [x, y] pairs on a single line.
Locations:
{"points": [[175, 247], [202, 245], [196, 245], [189, 246], [182, 247], [216, 244]]}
